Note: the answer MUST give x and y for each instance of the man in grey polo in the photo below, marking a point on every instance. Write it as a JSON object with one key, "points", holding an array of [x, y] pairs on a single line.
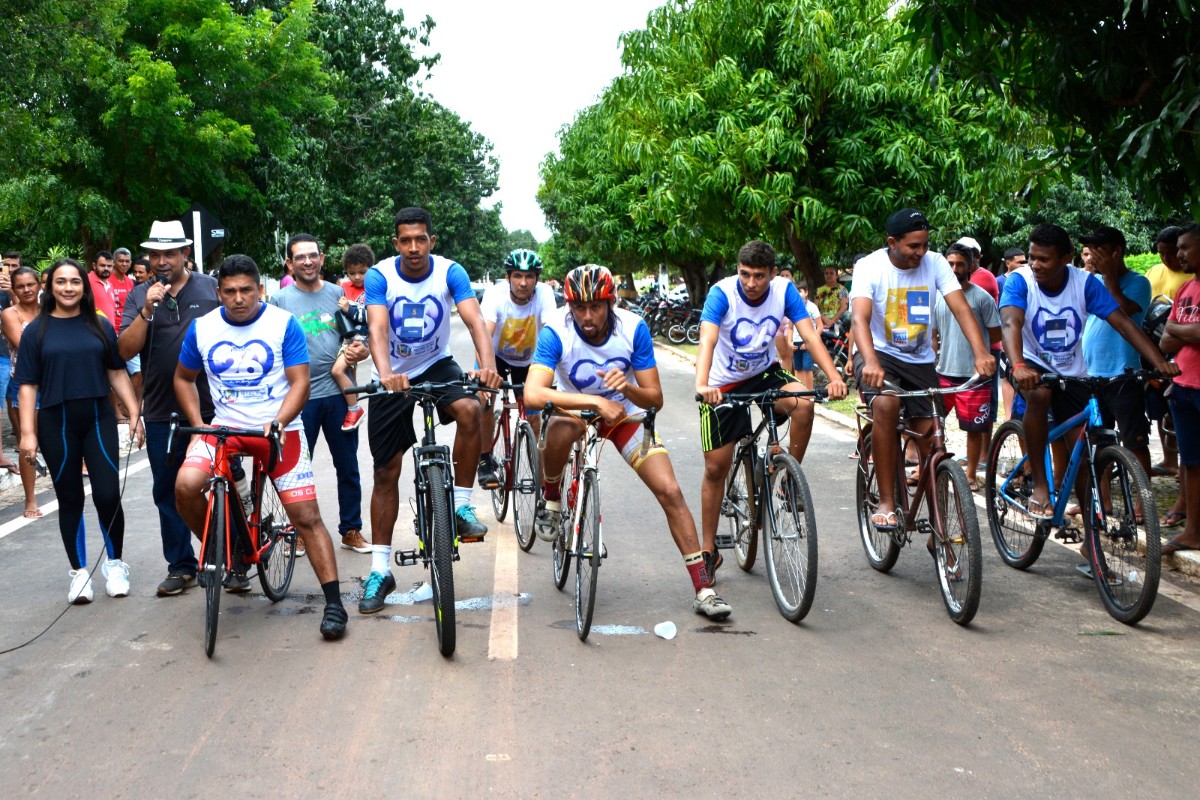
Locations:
{"points": [[314, 302]]}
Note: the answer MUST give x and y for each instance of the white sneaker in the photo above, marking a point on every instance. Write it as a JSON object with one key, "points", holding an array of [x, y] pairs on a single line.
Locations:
{"points": [[81, 587], [116, 574], [710, 604], [546, 520]]}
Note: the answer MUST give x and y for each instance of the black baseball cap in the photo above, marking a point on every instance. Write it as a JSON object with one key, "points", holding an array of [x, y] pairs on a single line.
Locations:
{"points": [[905, 221], [1104, 235]]}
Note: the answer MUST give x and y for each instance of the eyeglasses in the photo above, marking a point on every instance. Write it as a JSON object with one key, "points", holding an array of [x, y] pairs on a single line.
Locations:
{"points": [[306, 258]]}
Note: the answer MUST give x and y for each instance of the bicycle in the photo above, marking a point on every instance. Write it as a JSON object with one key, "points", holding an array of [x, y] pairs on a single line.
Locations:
{"points": [[519, 467], [1124, 553], [236, 533], [437, 535], [579, 534], [942, 486], [766, 491]]}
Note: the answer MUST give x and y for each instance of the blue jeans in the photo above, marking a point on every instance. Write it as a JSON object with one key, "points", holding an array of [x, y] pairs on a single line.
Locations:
{"points": [[176, 538], [325, 414]]}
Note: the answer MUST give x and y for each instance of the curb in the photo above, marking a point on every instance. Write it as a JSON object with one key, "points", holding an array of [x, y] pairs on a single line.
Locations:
{"points": [[1186, 563]]}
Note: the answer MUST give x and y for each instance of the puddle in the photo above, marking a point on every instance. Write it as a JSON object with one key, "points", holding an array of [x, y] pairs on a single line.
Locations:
{"points": [[603, 630], [723, 629]]}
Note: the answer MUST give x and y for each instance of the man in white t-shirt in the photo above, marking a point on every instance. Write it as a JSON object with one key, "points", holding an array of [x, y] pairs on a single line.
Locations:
{"points": [[891, 298], [514, 311]]}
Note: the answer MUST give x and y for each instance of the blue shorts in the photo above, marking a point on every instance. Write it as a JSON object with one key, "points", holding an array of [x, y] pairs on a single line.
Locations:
{"points": [[5, 369], [802, 361], [1185, 409]]}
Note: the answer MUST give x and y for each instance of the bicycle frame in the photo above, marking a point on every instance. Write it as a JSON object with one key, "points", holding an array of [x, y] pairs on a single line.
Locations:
{"points": [[429, 453], [510, 402], [761, 462]]}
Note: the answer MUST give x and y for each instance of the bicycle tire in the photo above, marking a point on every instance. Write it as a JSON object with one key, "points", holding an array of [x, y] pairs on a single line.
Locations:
{"points": [[960, 579], [738, 506], [212, 566], [526, 482], [790, 539], [561, 560], [590, 554], [1013, 530], [677, 334], [880, 546], [441, 558], [278, 562], [500, 493], [693, 334], [1120, 545]]}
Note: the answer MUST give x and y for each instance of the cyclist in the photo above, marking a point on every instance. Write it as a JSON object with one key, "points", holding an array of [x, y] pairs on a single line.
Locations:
{"points": [[408, 316], [513, 311], [1043, 311], [603, 358], [255, 357], [891, 300], [741, 317]]}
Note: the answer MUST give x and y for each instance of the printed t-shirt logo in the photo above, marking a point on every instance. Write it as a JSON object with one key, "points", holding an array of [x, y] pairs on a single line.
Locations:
{"points": [[241, 365], [750, 340], [416, 321], [517, 337], [584, 373], [1057, 335], [906, 318]]}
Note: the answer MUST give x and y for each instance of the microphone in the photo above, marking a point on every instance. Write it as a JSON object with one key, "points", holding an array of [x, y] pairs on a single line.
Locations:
{"points": [[164, 280]]}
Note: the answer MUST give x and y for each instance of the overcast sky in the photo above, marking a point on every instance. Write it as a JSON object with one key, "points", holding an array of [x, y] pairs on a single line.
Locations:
{"points": [[518, 71]]}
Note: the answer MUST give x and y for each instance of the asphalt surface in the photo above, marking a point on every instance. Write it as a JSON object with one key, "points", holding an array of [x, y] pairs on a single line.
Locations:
{"points": [[876, 693]]}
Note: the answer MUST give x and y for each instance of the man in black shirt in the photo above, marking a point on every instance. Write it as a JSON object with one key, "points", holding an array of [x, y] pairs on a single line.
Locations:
{"points": [[157, 315]]}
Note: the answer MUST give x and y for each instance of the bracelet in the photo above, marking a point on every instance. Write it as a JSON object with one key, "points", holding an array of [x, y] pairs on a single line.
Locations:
{"points": [[1014, 366], [144, 317]]}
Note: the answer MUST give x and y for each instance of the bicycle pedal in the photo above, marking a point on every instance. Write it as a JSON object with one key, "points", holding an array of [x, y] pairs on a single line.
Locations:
{"points": [[471, 539], [1069, 534], [407, 558], [723, 541]]}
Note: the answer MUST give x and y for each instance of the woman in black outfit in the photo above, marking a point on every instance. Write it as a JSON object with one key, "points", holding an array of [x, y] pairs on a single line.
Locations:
{"points": [[69, 355]]}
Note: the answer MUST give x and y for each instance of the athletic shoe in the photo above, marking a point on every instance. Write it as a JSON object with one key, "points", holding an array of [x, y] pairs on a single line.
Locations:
{"points": [[333, 623], [488, 472], [353, 540], [81, 587], [545, 521], [377, 587], [116, 574], [353, 419], [468, 525], [710, 604], [175, 583], [712, 562], [299, 545], [237, 583]]}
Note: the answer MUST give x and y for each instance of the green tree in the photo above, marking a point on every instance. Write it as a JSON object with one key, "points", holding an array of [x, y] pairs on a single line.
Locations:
{"points": [[1118, 81]]}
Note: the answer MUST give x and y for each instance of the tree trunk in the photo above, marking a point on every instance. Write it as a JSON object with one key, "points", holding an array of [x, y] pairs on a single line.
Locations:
{"points": [[697, 277], [808, 262]]}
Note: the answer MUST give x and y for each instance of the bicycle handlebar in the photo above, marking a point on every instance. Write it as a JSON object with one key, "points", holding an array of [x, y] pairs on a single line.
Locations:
{"points": [[646, 418], [224, 432], [892, 390], [767, 395], [1096, 382], [427, 387]]}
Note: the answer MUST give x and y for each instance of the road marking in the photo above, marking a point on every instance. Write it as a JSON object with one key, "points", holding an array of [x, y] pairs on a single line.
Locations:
{"points": [[502, 642], [14, 525]]}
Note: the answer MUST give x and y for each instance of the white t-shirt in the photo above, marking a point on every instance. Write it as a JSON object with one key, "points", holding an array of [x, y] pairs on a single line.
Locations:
{"points": [[517, 325], [746, 342], [902, 302]]}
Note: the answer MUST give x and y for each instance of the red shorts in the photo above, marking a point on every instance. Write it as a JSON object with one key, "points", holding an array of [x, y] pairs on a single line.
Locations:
{"points": [[975, 408], [292, 476]]}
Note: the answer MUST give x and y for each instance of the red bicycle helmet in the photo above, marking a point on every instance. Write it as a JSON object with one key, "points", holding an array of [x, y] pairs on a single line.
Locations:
{"points": [[589, 282]]}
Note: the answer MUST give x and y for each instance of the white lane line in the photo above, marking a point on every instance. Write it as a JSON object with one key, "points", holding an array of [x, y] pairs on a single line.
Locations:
{"points": [[502, 641], [14, 525]]}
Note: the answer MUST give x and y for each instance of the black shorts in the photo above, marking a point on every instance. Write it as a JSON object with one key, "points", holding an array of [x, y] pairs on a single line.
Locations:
{"points": [[721, 425], [1124, 404], [1066, 400], [390, 429], [511, 373], [908, 376]]}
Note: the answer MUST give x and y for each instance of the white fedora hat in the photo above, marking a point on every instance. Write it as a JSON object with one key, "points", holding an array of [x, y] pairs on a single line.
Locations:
{"points": [[166, 235]]}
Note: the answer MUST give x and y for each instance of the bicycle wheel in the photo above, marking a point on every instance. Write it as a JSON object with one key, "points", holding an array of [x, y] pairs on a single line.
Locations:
{"points": [[212, 566], [441, 558], [957, 549], [790, 537], [278, 562], [1013, 530], [503, 466], [559, 549], [880, 546], [677, 334], [526, 481], [1126, 552], [737, 506], [590, 554], [693, 334]]}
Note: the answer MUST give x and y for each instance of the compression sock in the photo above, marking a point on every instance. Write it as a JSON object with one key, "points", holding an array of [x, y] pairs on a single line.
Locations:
{"points": [[333, 594], [695, 567], [381, 558], [552, 487], [462, 496]]}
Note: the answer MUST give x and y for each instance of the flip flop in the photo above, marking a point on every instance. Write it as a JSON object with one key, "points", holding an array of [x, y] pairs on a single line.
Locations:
{"points": [[885, 526], [1044, 506], [1172, 519], [11, 467], [1160, 471], [1173, 546], [1085, 570]]}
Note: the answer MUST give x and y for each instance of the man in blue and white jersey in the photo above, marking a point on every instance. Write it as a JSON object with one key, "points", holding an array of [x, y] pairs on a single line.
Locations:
{"points": [[741, 318], [603, 358], [255, 358], [408, 300]]}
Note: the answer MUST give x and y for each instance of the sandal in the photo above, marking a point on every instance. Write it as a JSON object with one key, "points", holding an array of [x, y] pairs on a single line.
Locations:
{"points": [[1047, 509], [1172, 519], [881, 521]]}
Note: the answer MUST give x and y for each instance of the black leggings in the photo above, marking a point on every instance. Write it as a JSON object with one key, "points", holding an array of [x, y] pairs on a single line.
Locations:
{"points": [[69, 434]]}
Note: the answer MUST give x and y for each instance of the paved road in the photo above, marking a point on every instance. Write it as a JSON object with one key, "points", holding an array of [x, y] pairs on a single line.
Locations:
{"points": [[876, 693]]}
